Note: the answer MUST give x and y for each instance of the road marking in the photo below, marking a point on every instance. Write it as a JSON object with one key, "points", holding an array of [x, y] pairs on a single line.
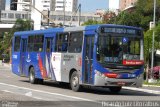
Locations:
{"points": [[57, 94], [22, 94], [28, 94], [144, 90], [38, 98], [8, 91]]}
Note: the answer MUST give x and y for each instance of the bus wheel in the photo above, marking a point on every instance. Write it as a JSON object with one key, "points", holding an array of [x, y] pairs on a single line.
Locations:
{"points": [[74, 82], [116, 89], [40, 81], [32, 78]]}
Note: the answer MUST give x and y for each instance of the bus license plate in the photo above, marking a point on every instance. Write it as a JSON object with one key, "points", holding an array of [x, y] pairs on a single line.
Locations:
{"points": [[121, 83]]}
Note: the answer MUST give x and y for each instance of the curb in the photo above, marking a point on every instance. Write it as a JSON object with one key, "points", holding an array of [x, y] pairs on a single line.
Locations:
{"points": [[151, 86], [143, 90]]}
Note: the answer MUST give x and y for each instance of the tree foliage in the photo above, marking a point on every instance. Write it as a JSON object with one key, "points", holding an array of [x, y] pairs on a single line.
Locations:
{"points": [[91, 22], [20, 25], [140, 16], [148, 41]]}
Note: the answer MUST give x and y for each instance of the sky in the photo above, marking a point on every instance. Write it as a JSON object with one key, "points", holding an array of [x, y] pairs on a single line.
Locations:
{"points": [[90, 5]]}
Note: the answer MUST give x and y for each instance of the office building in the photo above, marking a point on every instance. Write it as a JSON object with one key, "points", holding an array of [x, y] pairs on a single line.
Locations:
{"points": [[67, 5], [125, 4], [13, 6], [2, 4], [113, 4], [21, 5]]}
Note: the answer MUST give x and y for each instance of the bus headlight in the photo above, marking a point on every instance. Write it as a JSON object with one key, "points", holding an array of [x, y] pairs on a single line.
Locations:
{"points": [[98, 73], [139, 76]]}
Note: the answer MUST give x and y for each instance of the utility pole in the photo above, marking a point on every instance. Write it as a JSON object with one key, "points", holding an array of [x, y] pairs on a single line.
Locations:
{"points": [[48, 17], [79, 20], [153, 37], [64, 5], [79, 15]]}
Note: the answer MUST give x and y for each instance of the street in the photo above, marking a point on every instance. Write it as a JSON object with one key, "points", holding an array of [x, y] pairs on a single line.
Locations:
{"points": [[20, 92]]}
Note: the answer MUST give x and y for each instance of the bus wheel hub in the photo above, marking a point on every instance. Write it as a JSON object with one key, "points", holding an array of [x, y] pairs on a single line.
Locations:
{"points": [[75, 81]]}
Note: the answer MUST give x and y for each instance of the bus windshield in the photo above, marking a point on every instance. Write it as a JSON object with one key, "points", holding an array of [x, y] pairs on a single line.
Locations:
{"points": [[113, 49]]}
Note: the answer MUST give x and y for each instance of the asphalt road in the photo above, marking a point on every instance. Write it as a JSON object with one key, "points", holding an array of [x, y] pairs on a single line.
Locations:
{"points": [[20, 92]]}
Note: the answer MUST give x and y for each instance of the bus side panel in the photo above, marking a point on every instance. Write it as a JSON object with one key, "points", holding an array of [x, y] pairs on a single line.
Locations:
{"points": [[16, 63], [35, 59], [56, 66], [69, 62]]}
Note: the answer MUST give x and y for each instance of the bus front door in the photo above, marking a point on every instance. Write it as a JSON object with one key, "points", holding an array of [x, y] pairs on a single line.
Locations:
{"points": [[23, 56], [49, 48], [88, 59]]}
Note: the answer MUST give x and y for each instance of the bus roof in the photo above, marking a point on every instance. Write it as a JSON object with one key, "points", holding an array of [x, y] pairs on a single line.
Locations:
{"points": [[80, 28]]}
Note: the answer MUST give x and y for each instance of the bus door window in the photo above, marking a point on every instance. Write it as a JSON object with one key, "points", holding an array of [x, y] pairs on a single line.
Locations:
{"points": [[23, 55], [48, 45], [24, 45], [88, 59]]}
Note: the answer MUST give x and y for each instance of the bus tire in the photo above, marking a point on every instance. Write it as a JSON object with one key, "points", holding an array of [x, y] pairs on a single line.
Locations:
{"points": [[115, 89], [74, 82], [32, 78], [40, 81]]}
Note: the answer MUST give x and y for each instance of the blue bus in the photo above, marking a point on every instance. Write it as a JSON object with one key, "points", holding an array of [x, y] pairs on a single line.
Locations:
{"points": [[103, 55]]}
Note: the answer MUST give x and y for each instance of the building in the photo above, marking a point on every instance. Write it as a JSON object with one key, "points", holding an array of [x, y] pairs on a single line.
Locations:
{"points": [[52, 5], [21, 5], [113, 5], [46, 5], [2, 4], [13, 6], [10, 16], [70, 18], [67, 5], [126, 4]]}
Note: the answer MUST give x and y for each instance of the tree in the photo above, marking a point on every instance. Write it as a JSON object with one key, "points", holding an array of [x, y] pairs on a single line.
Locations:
{"points": [[20, 25], [148, 41], [140, 16], [91, 22]]}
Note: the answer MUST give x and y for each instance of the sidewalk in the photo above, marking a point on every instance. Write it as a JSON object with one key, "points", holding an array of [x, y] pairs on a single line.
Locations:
{"points": [[144, 85], [6, 65], [153, 89]]}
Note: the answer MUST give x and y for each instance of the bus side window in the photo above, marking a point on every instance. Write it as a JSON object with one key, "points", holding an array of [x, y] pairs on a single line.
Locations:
{"points": [[62, 42], [75, 42], [35, 43], [17, 44]]}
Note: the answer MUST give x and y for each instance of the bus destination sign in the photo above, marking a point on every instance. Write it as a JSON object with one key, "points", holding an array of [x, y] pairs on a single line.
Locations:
{"points": [[120, 30]]}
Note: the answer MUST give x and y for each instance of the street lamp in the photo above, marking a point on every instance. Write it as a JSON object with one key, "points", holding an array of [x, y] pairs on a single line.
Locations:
{"points": [[152, 59]]}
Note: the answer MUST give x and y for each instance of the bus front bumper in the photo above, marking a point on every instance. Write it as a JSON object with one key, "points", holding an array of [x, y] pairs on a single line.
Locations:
{"points": [[105, 81]]}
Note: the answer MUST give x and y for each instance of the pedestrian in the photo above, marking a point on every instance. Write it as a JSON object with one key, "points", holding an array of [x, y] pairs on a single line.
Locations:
{"points": [[2, 61]]}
